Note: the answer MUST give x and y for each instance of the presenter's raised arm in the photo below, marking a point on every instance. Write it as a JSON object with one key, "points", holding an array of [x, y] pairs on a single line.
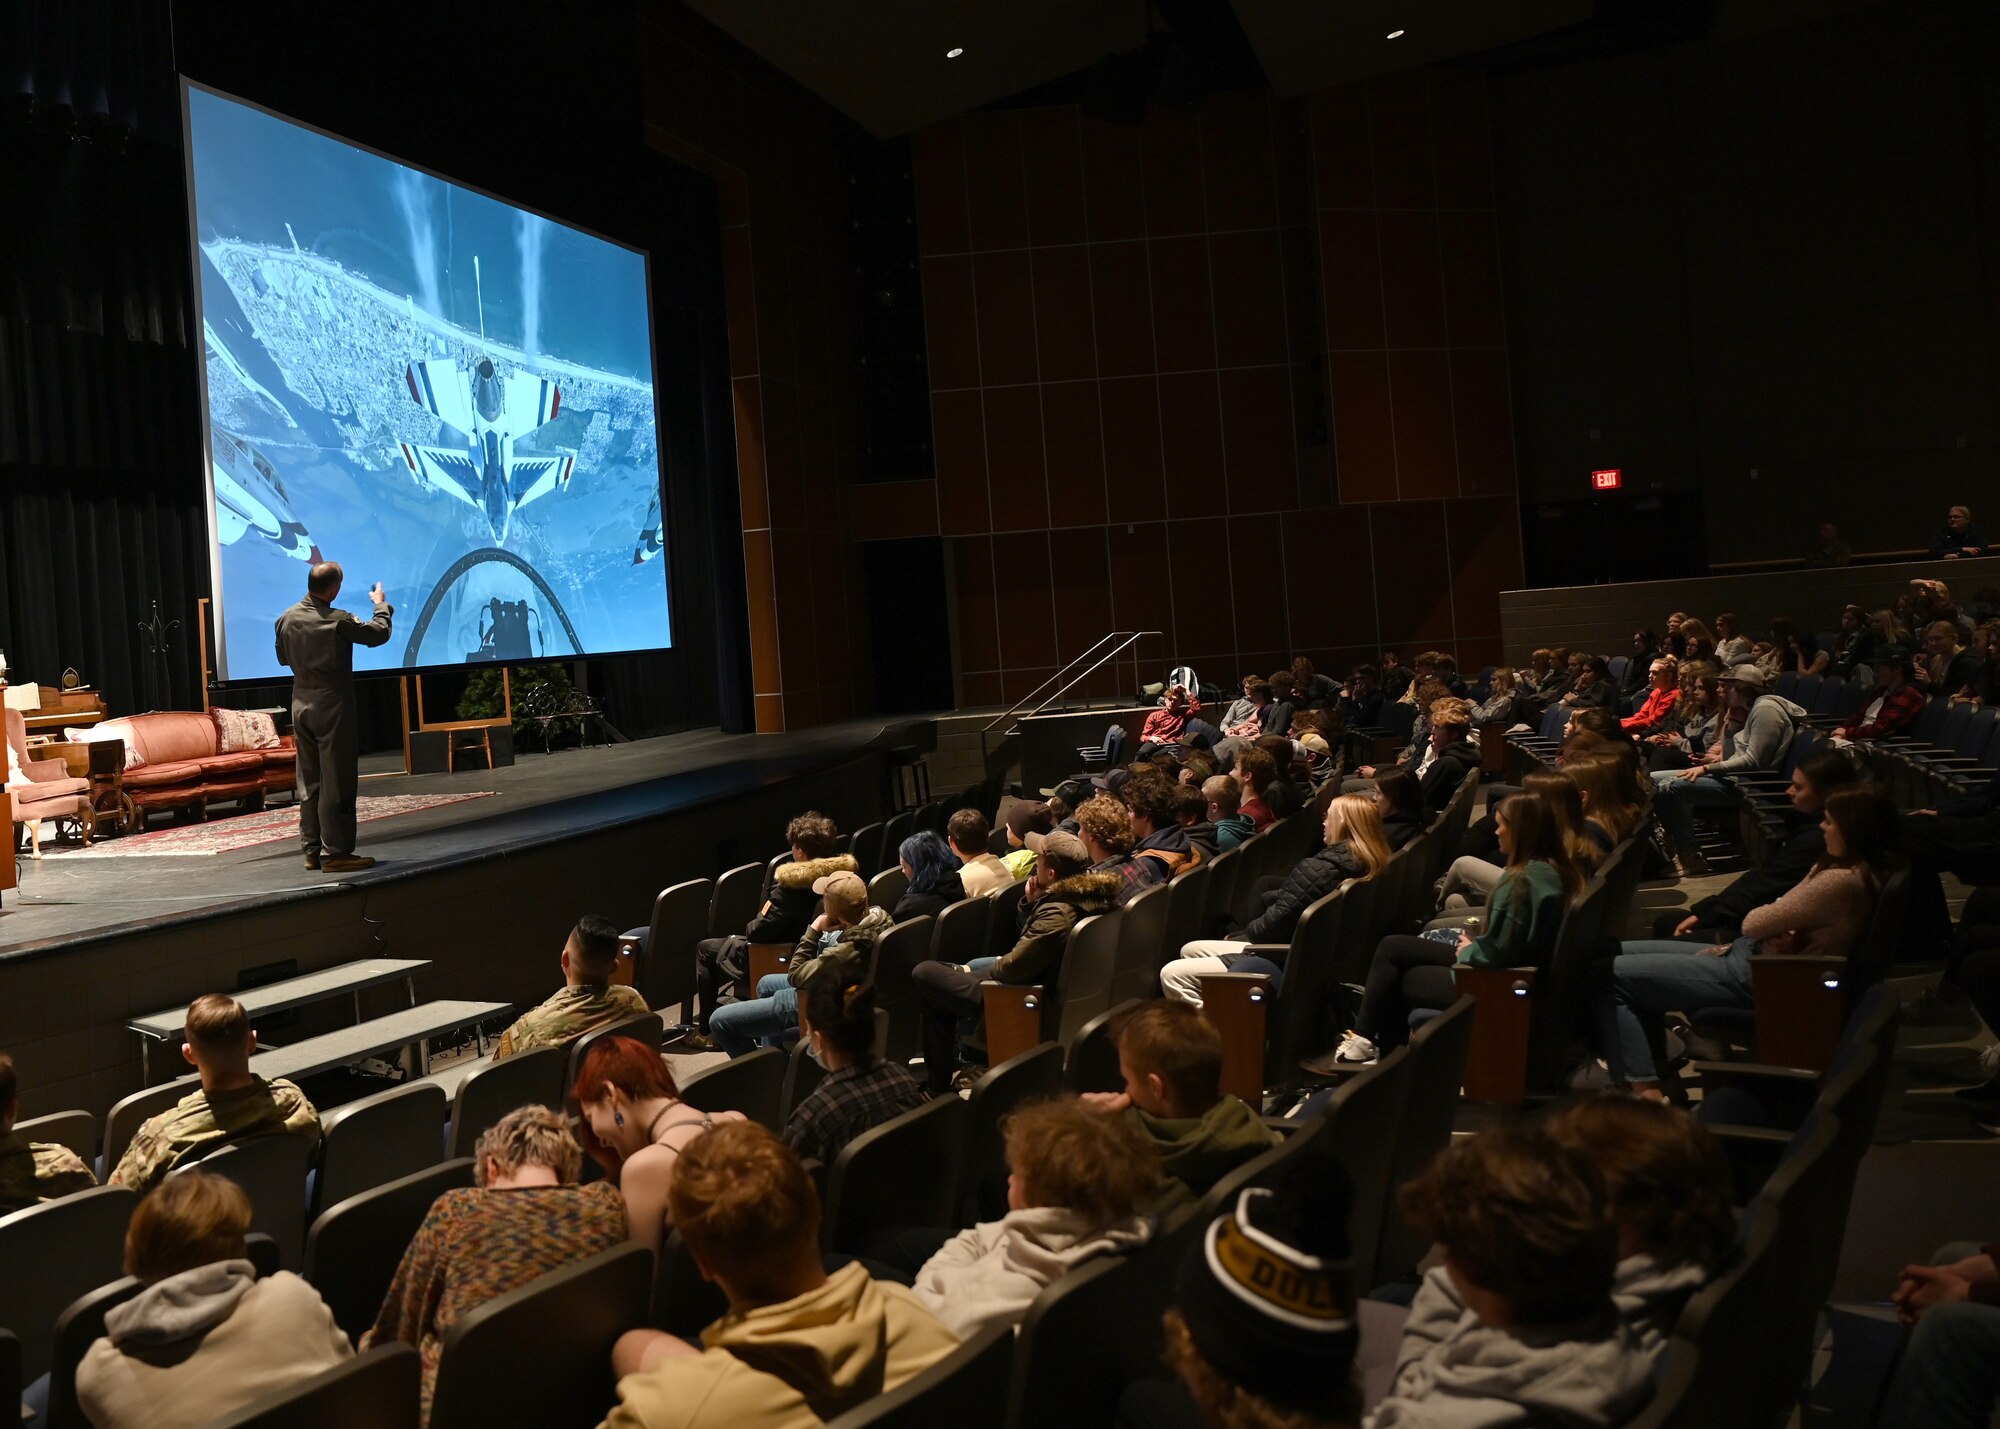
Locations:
{"points": [[376, 631]]}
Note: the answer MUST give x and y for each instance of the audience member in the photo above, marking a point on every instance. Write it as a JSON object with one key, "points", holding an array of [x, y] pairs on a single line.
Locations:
{"points": [[32, 1171], [1732, 646], [1362, 697], [232, 1102], [1824, 914], [1065, 890], [1718, 918], [1947, 667], [1593, 685], [205, 1337], [1314, 690], [1855, 644], [980, 872], [636, 1126], [1283, 795], [1505, 703], [1355, 849], [1830, 550], [932, 870], [1025, 817], [1105, 826], [1255, 772], [1672, 1200], [1696, 643], [1471, 878], [1077, 1186], [1798, 651], [1517, 1327], [1525, 914], [1160, 841], [1645, 650], [1167, 724], [1263, 1331], [1395, 675], [1959, 538], [721, 964], [839, 939], [1171, 1059], [524, 1216], [1232, 825], [1892, 705], [860, 1090], [1447, 758], [1697, 724], [1399, 799], [1656, 715], [1769, 723], [588, 1000], [1192, 813], [1613, 797], [1983, 692], [1948, 1376], [798, 1346]]}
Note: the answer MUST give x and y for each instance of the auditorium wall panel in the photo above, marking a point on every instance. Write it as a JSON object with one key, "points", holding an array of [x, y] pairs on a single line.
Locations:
{"points": [[1268, 339]]}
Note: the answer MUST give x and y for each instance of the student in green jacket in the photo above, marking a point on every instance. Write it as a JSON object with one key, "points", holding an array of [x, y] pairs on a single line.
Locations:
{"points": [[1523, 919], [1171, 1059]]}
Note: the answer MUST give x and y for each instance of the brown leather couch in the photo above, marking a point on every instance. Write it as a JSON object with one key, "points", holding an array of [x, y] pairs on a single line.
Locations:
{"points": [[185, 767]]}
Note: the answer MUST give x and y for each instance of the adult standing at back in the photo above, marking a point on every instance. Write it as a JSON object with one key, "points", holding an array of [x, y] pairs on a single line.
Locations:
{"points": [[316, 642]]}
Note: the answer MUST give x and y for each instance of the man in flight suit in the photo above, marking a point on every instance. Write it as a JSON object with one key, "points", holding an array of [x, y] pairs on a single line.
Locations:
{"points": [[317, 642]]}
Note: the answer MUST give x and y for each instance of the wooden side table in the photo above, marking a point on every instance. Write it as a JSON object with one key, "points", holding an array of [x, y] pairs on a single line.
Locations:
{"points": [[104, 767]]}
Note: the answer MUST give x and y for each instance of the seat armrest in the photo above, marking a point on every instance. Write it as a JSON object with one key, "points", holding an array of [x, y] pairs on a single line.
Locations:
{"points": [[1784, 1094], [1753, 1152], [1238, 1006], [1496, 1061], [767, 960], [1800, 1006], [1013, 1018], [45, 771]]}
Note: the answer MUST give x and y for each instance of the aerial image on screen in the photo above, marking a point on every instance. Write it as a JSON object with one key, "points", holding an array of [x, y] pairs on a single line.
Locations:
{"points": [[439, 390]]}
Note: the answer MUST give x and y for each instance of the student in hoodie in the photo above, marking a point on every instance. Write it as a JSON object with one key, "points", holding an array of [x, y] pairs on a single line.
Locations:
{"points": [[1672, 1202], [1399, 799], [1224, 794], [721, 964], [1355, 848], [1769, 723], [838, 938], [932, 869], [1517, 1327], [1065, 890], [1077, 1185], [1162, 842], [204, 1337], [1191, 812], [1171, 1059], [798, 1346]]}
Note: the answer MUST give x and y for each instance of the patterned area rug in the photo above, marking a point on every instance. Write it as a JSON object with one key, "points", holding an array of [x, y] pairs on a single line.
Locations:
{"points": [[229, 833]]}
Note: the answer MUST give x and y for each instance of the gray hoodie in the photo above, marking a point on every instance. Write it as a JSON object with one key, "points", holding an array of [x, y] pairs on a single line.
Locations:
{"points": [[1766, 735], [1454, 1371], [991, 1274], [1650, 1296]]}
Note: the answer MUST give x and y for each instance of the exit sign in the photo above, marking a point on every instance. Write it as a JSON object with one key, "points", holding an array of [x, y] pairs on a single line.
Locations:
{"points": [[1610, 479]]}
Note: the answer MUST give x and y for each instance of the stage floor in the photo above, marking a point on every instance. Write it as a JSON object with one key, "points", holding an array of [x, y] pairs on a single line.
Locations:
{"points": [[73, 896]]}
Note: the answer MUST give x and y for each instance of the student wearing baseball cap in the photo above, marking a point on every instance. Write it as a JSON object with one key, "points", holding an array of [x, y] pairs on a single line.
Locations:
{"points": [[1064, 891], [839, 939], [1760, 742]]}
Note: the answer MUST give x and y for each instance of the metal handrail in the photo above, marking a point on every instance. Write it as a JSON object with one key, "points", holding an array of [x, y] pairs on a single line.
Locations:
{"points": [[1131, 637]]}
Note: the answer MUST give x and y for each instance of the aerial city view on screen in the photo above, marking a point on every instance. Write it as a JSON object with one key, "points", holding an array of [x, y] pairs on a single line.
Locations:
{"points": [[440, 391]]}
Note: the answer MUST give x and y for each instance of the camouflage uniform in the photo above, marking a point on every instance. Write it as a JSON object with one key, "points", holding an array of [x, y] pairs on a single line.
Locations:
{"points": [[34, 1171], [203, 1121], [568, 1015]]}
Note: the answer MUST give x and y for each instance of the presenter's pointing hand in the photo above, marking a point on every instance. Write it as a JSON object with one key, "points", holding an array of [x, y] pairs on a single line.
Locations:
{"points": [[376, 594]]}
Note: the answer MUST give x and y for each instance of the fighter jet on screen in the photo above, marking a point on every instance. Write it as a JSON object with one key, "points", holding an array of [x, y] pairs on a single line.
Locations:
{"points": [[649, 535], [492, 412], [251, 496]]}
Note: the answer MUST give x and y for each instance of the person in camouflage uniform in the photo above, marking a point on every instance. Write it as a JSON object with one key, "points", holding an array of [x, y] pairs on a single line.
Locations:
{"points": [[589, 999], [233, 1102], [32, 1171]]}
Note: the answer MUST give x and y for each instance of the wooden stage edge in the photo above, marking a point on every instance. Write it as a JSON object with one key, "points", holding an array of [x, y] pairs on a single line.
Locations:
{"points": [[487, 889]]}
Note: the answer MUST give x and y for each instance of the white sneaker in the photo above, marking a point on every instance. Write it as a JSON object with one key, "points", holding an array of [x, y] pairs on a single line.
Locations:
{"points": [[1354, 1051], [1989, 1059]]}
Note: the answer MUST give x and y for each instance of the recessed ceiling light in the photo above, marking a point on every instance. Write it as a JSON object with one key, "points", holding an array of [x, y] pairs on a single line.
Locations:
{"points": [[956, 50], [1395, 34]]}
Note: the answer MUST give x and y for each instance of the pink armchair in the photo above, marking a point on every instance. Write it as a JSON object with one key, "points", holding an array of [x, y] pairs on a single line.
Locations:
{"points": [[50, 792]]}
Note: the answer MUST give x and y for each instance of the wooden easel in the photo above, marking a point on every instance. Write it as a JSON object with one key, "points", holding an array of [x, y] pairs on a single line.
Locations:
{"points": [[446, 727]]}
